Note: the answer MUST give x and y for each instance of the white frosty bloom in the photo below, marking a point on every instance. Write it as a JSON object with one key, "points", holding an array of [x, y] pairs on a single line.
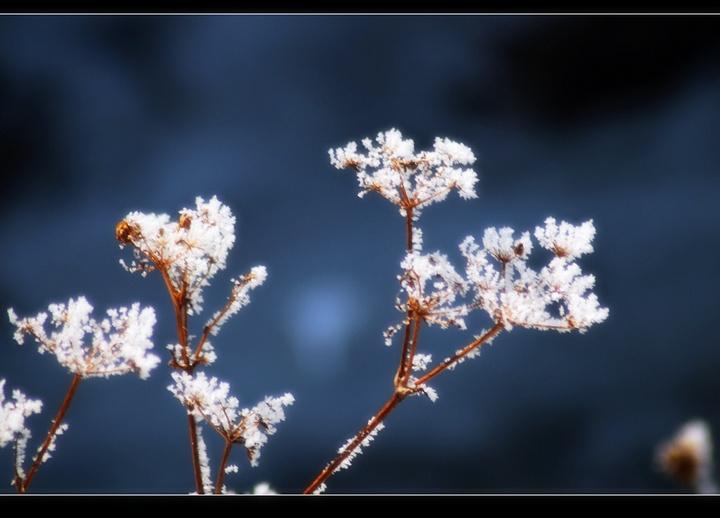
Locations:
{"points": [[390, 166], [190, 249], [432, 286], [688, 457], [557, 297], [566, 240], [209, 399], [118, 344], [13, 413]]}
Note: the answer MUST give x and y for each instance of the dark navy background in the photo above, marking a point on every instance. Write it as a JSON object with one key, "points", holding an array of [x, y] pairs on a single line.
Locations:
{"points": [[615, 119]]}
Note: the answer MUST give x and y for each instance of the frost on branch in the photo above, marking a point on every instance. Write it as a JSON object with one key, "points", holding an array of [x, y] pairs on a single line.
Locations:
{"points": [[239, 297], [557, 297], [411, 180], [687, 457], [118, 344], [190, 249], [12, 423], [209, 399], [370, 437]]}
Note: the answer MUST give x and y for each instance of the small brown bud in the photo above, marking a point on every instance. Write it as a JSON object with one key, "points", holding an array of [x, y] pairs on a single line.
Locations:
{"points": [[519, 249], [126, 232], [184, 221]]}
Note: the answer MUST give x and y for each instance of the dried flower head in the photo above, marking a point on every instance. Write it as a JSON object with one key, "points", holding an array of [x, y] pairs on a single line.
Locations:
{"points": [[13, 413], [189, 250], [411, 180], [118, 344], [209, 399], [557, 297], [687, 457]]}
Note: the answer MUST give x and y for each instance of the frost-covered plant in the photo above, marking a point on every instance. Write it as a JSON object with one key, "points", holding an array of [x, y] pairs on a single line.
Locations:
{"points": [[13, 413], [688, 457], [118, 344], [188, 251], [208, 399], [497, 278]]}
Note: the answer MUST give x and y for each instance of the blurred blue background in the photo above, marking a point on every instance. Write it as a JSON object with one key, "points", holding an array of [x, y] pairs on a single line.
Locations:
{"points": [[611, 118]]}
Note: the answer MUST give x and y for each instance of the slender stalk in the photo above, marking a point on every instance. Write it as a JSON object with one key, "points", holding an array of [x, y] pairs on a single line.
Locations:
{"points": [[411, 352], [378, 418], [395, 400], [23, 485], [179, 302], [460, 354], [192, 426], [220, 480]]}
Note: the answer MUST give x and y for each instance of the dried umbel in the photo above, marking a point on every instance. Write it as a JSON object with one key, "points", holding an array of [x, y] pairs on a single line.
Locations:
{"points": [[209, 400], [687, 457], [497, 278], [118, 344], [189, 250], [412, 180], [13, 430]]}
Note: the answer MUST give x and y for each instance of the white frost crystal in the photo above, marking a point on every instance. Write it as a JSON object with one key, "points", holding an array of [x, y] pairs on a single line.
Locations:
{"points": [[191, 248], [557, 297], [209, 399], [411, 180], [432, 286], [239, 297], [118, 344], [13, 413]]}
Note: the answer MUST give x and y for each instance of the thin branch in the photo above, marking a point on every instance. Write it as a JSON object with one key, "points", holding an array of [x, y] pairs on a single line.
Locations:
{"points": [[495, 330], [25, 484], [192, 426], [221, 470], [378, 418]]}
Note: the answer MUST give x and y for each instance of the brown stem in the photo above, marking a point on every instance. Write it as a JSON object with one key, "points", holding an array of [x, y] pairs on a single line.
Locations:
{"points": [[400, 374], [221, 471], [192, 425], [411, 352], [460, 354], [179, 302], [378, 418], [409, 228], [23, 486], [394, 400]]}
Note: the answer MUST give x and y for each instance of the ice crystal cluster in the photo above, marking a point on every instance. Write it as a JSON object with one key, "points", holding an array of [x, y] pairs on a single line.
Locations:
{"points": [[210, 400], [190, 249], [13, 430], [688, 457], [120, 343], [411, 180]]}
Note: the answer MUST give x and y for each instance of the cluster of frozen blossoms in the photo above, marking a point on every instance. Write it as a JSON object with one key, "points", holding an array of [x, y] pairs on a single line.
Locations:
{"points": [[497, 277], [117, 344], [390, 166], [188, 251]]}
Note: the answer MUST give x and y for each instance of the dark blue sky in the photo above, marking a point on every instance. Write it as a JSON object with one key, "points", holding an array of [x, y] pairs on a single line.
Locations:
{"points": [[614, 119]]}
